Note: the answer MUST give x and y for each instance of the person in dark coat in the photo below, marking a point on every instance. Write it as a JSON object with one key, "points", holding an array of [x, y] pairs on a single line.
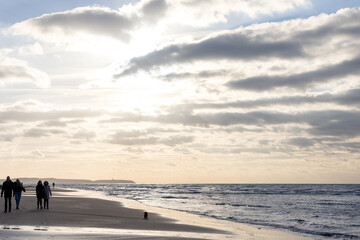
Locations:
{"points": [[40, 193], [7, 192], [18, 189]]}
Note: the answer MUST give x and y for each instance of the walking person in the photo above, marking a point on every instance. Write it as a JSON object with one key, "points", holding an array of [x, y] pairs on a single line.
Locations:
{"points": [[40, 193], [47, 194], [7, 191], [18, 189]]}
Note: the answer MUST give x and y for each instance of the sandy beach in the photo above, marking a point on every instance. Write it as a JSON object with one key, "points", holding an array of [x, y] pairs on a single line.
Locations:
{"points": [[89, 215]]}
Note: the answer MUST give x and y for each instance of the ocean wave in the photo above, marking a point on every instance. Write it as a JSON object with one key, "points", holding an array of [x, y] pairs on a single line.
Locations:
{"points": [[174, 197], [322, 211], [258, 206]]}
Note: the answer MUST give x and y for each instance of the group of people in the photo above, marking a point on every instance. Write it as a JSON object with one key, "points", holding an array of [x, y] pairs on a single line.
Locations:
{"points": [[14, 189], [43, 192]]}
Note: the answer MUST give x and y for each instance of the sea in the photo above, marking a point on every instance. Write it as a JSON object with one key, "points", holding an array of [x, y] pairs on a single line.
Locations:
{"points": [[321, 211]]}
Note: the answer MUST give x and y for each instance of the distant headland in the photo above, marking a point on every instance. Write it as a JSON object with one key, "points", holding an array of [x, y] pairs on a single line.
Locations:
{"points": [[73, 181]]}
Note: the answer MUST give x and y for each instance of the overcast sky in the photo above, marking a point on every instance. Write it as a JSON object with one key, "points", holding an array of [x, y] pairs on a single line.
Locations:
{"points": [[181, 91]]}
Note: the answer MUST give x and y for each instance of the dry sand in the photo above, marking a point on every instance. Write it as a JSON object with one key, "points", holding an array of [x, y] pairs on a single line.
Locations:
{"points": [[88, 215]]}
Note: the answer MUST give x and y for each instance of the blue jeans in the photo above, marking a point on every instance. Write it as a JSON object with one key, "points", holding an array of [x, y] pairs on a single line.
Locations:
{"points": [[17, 198]]}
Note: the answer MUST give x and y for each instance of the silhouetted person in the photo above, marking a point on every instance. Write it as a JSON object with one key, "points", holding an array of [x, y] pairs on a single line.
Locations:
{"points": [[18, 188], [47, 194], [146, 215], [7, 191], [40, 193], [53, 185]]}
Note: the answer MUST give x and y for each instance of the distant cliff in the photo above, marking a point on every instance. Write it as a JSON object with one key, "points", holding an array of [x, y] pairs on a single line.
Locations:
{"points": [[72, 181]]}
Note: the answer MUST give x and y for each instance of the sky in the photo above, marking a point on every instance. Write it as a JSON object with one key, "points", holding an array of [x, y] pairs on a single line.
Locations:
{"points": [[181, 91]]}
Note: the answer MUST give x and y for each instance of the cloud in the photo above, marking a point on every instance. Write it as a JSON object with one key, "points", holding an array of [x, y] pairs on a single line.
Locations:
{"points": [[152, 11], [31, 49], [96, 21], [351, 97], [348, 98], [90, 20], [7, 137], [84, 134], [300, 142], [320, 123], [344, 22], [34, 116], [16, 72], [54, 123], [129, 138], [301, 80], [189, 75], [38, 153], [353, 147], [334, 123], [204, 13], [134, 141], [76, 27], [177, 139], [285, 42], [225, 46], [234, 150], [41, 132], [256, 118]]}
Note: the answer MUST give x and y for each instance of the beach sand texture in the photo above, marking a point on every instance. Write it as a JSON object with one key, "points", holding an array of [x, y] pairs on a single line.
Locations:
{"points": [[83, 215]]}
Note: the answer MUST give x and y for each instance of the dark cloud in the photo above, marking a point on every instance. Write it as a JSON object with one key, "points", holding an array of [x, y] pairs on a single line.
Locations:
{"points": [[7, 137], [240, 129], [353, 147], [321, 123], [84, 134], [226, 46], [347, 98], [344, 23], [54, 123], [177, 139], [41, 132], [154, 10], [143, 138], [301, 80], [300, 142], [22, 116], [327, 139], [257, 118], [134, 141], [343, 126], [205, 120], [96, 20], [14, 71], [333, 123], [266, 42], [234, 150], [351, 97], [186, 75], [19, 74]]}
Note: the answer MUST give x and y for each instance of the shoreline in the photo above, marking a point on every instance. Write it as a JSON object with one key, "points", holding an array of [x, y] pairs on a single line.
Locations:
{"points": [[80, 214]]}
